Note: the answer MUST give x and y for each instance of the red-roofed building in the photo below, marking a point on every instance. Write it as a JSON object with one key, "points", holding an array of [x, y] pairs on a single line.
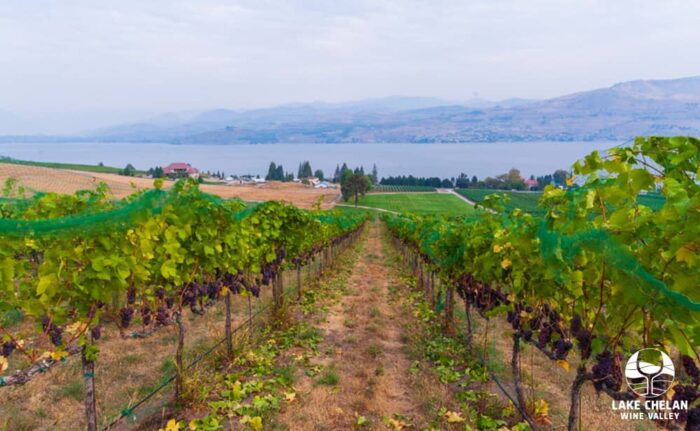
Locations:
{"points": [[180, 170], [531, 184]]}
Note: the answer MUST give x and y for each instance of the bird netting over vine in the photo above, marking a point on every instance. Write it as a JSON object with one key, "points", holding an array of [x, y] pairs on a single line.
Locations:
{"points": [[92, 212]]}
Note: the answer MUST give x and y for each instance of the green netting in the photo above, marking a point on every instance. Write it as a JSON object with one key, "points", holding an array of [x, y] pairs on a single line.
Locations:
{"points": [[95, 214], [555, 246], [90, 221], [441, 242]]}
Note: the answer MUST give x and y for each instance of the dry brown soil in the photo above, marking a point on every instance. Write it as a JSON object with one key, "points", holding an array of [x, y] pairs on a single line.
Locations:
{"points": [[364, 350], [67, 181]]}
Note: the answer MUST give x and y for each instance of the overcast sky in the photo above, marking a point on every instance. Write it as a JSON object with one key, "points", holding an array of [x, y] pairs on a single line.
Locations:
{"points": [[153, 55]]}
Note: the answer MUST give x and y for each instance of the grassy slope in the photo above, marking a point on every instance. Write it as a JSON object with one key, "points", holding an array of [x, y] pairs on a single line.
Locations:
{"points": [[527, 201], [418, 203], [72, 166]]}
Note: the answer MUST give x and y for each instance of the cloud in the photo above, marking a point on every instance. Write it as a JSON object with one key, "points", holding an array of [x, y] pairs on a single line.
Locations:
{"points": [[164, 55]]}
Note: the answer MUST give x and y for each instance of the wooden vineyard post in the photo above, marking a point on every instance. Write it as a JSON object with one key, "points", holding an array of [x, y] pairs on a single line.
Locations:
{"points": [[449, 309], [229, 334], [515, 368], [90, 398], [280, 290], [468, 312], [421, 285], [298, 281], [179, 386]]}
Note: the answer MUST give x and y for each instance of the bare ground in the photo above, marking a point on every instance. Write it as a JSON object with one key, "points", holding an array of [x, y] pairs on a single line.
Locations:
{"points": [[365, 365]]}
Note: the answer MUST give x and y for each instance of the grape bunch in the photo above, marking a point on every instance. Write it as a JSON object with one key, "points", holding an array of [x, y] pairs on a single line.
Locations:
{"points": [[561, 348], [7, 348], [146, 314], [162, 316], [96, 332], [131, 295], [607, 372], [691, 369], [55, 333], [545, 337], [583, 336], [160, 293], [684, 393], [693, 420], [125, 314], [252, 288]]}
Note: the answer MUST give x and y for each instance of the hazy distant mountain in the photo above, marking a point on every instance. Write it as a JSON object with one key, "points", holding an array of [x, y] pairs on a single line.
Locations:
{"points": [[620, 112]]}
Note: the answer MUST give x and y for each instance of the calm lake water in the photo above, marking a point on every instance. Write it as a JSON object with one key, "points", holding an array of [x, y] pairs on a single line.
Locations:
{"points": [[443, 160]]}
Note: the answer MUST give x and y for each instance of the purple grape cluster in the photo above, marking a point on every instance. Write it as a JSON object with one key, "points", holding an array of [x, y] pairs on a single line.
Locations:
{"points": [[96, 332], [693, 421], [125, 315], [691, 368], [7, 348], [131, 295], [607, 372], [146, 314], [583, 336], [55, 333], [684, 393], [162, 317]]}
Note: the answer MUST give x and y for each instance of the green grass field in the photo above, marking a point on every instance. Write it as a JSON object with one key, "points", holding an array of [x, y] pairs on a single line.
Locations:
{"points": [[418, 203], [393, 189], [72, 166], [527, 201]]}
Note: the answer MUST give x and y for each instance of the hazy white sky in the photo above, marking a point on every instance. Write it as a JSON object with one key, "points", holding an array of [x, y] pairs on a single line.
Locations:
{"points": [[158, 55]]}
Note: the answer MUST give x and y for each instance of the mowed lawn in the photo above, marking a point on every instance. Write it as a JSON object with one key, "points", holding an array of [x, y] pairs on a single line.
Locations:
{"points": [[527, 201], [418, 203]]}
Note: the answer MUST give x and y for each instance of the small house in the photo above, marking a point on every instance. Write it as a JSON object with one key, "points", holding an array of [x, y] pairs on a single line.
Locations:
{"points": [[180, 170]]}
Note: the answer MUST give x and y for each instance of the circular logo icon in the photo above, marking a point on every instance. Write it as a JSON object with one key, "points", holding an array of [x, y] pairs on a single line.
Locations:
{"points": [[649, 372]]}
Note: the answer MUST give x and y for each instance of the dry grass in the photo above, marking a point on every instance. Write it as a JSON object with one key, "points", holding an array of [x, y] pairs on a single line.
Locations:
{"points": [[66, 181], [544, 380], [365, 361], [126, 370]]}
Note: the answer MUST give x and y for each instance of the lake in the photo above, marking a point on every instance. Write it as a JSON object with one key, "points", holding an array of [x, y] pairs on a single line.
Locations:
{"points": [[443, 160]]}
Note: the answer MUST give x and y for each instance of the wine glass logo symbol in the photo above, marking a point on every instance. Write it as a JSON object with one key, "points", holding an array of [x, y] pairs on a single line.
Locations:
{"points": [[649, 372]]}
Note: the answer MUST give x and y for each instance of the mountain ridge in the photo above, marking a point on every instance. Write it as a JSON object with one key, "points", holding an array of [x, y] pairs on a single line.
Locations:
{"points": [[618, 112]]}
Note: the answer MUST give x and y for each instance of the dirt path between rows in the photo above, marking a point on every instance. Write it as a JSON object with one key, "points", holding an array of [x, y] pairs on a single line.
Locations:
{"points": [[365, 365]]}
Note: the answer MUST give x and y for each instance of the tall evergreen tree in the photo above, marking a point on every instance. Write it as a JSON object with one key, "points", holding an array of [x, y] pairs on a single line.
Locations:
{"points": [[305, 170], [336, 174], [375, 174], [271, 172]]}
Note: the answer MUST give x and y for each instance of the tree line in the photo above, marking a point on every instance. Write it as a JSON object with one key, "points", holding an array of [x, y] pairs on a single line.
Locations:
{"points": [[512, 180]]}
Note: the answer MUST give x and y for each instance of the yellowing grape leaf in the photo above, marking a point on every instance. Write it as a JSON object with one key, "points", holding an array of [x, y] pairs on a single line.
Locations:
{"points": [[454, 417], [396, 424], [684, 254], [58, 355], [254, 422], [74, 327], [3, 364], [563, 364], [505, 263], [172, 425], [290, 396]]}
